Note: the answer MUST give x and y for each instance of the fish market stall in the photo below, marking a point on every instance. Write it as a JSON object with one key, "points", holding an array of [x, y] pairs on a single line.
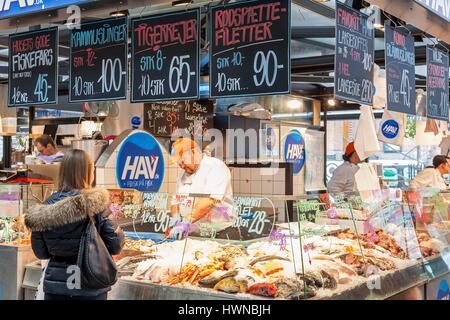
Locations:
{"points": [[303, 259]]}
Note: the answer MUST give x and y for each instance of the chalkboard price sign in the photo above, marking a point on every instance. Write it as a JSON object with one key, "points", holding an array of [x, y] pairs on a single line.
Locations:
{"points": [[250, 48], [33, 68], [400, 71], [162, 119], [354, 59], [98, 61], [437, 84], [165, 57]]}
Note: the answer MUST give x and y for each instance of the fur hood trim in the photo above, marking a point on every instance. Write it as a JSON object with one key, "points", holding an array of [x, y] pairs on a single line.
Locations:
{"points": [[45, 217]]}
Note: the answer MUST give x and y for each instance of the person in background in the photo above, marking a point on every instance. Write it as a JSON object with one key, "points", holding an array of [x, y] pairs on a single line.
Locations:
{"points": [[47, 150], [343, 179], [432, 177], [58, 225], [205, 175]]}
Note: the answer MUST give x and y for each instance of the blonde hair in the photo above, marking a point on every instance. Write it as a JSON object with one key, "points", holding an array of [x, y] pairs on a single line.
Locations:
{"points": [[76, 171]]}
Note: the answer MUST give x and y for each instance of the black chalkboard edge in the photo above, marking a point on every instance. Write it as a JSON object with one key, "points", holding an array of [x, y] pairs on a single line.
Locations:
{"points": [[30, 104], [289, 4], [339, 97], [156, 16], [71, 100], [150, 100]]}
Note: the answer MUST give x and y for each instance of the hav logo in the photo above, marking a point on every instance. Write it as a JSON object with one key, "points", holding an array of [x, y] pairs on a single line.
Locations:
{"points": [[444, 291], [140, 163], [294, 150], [390, 129]]}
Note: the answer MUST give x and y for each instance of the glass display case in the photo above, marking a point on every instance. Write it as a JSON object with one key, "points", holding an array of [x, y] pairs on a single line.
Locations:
{"points": [[15, 248], [370, 245], [15, 199]]}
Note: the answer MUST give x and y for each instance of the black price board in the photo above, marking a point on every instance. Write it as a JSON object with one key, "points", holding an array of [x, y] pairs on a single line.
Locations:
{"points": [[33, 68], [165, 57], [99, 61], [250, 44], [437, 84], [354, 59], [400, 70], [162, 119]]}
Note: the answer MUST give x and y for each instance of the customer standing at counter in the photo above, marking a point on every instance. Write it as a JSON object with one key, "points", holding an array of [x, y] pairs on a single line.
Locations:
{"points": [[47, 150], [343, 179], [58, 225], [432, 177], [205, 175]]}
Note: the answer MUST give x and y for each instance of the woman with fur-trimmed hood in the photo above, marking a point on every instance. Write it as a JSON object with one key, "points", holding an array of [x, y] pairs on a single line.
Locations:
{"points": [[58, 225]]}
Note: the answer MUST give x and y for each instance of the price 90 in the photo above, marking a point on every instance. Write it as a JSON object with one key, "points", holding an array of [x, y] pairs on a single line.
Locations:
{"points": [[266, 68]]}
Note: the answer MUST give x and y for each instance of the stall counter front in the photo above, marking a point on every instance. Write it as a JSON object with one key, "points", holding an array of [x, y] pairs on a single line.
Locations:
{"points": [[364, 246]]}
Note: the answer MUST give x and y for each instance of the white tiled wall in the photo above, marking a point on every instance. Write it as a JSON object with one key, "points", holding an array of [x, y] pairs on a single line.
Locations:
{"points": [[256, 181]]}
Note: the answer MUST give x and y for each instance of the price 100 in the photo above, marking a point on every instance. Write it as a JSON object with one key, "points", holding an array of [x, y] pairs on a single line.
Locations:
{"points": [[111, 77]]}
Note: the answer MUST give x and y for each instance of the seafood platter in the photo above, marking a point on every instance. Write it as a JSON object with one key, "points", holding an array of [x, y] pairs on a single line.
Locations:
{"points": [[336, 265]]}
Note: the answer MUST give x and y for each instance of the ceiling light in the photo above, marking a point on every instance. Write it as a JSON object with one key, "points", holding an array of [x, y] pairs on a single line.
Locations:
{"points": [[331, 102], [179, 3], [120, 13], [294, 104]]}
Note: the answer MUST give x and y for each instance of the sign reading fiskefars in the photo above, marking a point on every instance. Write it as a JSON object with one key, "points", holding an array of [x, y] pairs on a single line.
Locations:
{"points": [[439, 7], [33, 68]]}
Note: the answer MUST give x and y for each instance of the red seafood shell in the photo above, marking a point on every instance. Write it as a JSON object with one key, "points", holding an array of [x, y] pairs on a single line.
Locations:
{"points": [[263, 289]]}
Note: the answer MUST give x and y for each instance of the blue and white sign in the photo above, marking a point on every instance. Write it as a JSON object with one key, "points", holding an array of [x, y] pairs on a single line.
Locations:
{"points": [[443, 291], [140, 163], [390, 129], [294, 150], [13, 8], [439, 7]]}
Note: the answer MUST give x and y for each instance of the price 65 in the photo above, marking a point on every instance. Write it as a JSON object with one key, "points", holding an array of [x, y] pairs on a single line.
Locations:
{"points": [[180, 74]]}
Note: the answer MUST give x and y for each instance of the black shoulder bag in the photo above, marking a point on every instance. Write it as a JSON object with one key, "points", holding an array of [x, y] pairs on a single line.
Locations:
{"points": [[97, 267]]}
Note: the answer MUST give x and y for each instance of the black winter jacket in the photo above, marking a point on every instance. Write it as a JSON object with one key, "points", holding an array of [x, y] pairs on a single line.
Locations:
{"points": [[56, 230]]}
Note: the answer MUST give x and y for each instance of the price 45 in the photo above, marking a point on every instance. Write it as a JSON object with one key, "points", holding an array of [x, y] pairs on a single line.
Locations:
{"points": [[42, 87]]}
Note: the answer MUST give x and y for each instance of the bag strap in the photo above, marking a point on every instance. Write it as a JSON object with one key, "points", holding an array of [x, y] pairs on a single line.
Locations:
{"points": [[91, 219]]}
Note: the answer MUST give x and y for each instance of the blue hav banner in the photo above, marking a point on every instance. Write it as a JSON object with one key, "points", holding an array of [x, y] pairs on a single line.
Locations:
{"points": [[13, 8]]}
